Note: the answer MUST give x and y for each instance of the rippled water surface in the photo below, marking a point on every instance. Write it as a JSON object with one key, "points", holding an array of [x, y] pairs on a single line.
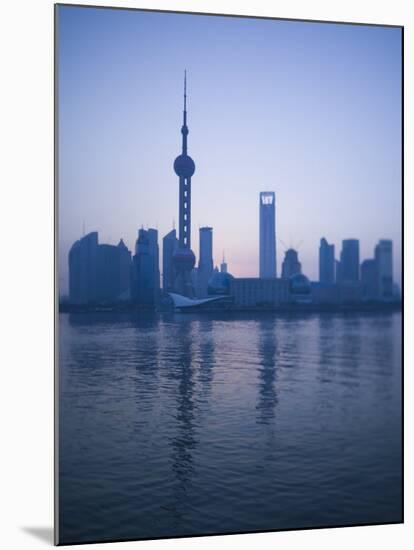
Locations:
{"points": [[181, 424]]}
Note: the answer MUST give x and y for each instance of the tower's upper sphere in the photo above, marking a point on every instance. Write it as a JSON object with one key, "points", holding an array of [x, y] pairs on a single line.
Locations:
{"points": [[184, 259], [184, 166]]}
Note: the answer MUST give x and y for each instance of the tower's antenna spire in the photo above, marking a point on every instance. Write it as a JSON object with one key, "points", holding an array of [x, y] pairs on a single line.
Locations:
{"points": [[184, 129], [185, 91]]}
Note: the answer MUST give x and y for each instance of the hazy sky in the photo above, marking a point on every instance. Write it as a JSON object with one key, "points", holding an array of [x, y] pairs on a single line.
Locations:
{"points": [[311, 111]]}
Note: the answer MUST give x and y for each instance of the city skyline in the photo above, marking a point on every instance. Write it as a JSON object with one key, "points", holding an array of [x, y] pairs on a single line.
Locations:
{"points": [[110, 207]]}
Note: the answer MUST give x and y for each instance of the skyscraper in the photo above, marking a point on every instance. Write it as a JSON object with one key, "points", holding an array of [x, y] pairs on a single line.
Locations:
{"points": [[169, 246], [383, 257], [223, 265], [155, 257], [145, 269], [83, 269], [291, 264], [205, 262], [349, 263], [184, 259], [113, 281], [267, 235], [369, 279], [98, 273], [124, 271], [326, 262]]}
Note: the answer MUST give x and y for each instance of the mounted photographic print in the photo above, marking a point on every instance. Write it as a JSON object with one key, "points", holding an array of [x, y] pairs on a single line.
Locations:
{"points": [[229, 274]]}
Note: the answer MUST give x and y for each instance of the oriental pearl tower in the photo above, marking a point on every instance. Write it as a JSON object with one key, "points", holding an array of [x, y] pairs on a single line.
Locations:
{"points": [[184, 167]]}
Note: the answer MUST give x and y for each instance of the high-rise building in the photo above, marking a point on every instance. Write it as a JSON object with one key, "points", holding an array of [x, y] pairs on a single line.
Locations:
{"points": [[169, 246], [155, 256], [369, 279], [291, 264], [124, 271], [98, 273], [267, 235], [114, 265], [326, 262], [184, 259], [337, 271], [145, 269], [223, 265], [383, 257], [349, 263], [205, 262], [83, 270]]}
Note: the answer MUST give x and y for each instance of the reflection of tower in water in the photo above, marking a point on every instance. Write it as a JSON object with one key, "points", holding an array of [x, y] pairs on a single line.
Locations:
{"points": [[184, 440], [206, 356], [267, 352], [193, 373]]}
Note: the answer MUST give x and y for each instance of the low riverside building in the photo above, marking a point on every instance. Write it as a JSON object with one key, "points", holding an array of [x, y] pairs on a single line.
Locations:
{"points": [[336, 294], [350, 293], [256, 292], [325, 293]]}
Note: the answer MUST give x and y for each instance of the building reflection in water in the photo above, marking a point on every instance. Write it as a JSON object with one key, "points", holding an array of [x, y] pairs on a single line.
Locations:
{"points": [[144, 357], [183, 440], [206, 358], [267, 354]]}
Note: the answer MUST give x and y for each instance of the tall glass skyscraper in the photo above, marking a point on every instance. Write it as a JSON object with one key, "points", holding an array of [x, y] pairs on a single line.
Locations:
{"points": [[205, 262], [169, 246], [326, 262], [349, 266], [383, 257], [267, 235]]}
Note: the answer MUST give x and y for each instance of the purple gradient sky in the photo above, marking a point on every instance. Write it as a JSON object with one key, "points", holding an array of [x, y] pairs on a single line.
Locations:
{"points": [[311, 111]]}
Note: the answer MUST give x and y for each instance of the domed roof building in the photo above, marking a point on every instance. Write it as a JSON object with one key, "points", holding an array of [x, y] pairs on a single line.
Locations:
{"points": [[219, 284], [300, 288]]}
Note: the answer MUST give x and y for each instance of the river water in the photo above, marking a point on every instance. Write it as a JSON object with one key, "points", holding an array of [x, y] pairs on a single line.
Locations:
{"points": [[179, 424]]}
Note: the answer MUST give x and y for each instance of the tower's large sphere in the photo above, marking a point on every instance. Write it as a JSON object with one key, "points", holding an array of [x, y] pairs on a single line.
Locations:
{"points": [[184, 166], [184, 259]]}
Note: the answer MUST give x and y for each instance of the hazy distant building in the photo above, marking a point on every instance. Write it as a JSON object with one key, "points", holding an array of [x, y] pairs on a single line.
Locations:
{"points": [[125, 263], [337, 271], [169, 246], [291, 264], [369, 279], [98, 273], [349, 263], [114, 265], [83, 266], [145, 268], [267, 235], [326, 262], [155, 256], [300, 289], [396, 291], [350, 292], [258, 292], [205, 262], [219, 283], [325, 293], [383, 258], [223, 265]]}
